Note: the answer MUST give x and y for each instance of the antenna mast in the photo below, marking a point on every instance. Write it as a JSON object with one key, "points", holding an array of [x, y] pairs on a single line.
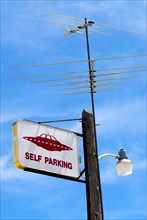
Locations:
{"points": [[92, 203], [91, 76]]}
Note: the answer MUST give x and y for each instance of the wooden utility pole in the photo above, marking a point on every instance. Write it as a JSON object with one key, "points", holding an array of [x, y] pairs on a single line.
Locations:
{"points": [[93, 188]]}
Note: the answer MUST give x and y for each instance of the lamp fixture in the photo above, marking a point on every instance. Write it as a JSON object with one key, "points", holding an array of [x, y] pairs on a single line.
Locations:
{"points": [[123, 165]]}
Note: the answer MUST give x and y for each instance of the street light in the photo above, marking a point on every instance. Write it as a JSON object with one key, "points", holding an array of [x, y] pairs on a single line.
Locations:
{"points": [[123, 165]]}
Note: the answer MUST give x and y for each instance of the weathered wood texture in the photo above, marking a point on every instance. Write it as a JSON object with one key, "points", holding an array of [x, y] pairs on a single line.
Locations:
{"points": [[91, 168]]}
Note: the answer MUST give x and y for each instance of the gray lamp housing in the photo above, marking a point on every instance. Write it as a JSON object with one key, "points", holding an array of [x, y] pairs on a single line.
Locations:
{"points": [[124, 165]]}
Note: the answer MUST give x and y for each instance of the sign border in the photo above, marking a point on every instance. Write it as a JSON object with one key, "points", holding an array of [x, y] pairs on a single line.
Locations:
{"points": [[16, 148]]}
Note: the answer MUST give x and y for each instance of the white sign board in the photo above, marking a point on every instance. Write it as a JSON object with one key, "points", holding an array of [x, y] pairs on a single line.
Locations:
{"points": [[45, 148]]}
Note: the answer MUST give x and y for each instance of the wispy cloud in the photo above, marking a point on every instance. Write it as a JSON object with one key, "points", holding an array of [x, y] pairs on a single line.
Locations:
{"points": [[9, 172], [122, 118], [126, 214]]}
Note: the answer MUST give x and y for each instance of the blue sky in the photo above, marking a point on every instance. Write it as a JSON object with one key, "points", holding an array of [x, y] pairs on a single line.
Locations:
{"points": [[26, 39]]}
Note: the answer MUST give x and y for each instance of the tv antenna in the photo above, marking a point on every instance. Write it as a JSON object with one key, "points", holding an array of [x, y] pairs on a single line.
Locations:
{"points": [[79, 29]]}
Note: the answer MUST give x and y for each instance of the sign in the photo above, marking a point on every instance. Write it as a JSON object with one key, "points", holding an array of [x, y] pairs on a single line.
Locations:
{"points": [[45, 148]]}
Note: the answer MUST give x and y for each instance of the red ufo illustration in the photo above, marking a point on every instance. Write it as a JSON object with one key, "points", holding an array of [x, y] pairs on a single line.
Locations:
{"points": [[48, 142]]}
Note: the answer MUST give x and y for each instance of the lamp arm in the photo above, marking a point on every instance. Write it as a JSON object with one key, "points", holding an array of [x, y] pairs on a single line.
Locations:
{"points": [[108, 155]]}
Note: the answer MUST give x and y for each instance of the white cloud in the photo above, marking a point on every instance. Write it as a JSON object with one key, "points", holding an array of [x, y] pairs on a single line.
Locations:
{"points": [[9, 172], [119, 13], [126, 214], [103, 11], [141, 164], [123, 118], [108, 173]]}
